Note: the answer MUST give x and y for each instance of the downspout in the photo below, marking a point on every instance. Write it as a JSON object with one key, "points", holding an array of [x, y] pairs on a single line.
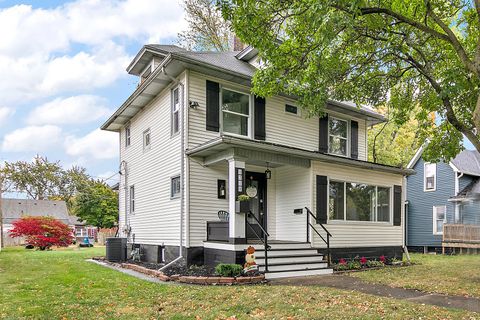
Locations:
{"points": [[126, 226], [187, 160], [182, 167]]}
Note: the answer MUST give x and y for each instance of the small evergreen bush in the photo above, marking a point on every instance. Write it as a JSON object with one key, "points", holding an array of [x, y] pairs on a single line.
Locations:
{"points": [[228, 270]]}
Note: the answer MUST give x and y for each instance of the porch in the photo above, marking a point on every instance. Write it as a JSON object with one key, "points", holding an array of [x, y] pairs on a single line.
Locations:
{"points": [[461, 237]]}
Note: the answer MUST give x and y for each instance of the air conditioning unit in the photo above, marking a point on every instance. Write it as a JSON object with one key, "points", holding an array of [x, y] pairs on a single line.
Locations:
{"points": [[116, 249]]}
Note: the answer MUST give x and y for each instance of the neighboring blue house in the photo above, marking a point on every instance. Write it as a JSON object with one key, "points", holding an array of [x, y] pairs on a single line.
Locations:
{"points": [[442, 194]]}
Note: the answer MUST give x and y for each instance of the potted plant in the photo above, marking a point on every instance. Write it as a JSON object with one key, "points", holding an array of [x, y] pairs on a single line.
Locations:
{"points": [[243, 203]]}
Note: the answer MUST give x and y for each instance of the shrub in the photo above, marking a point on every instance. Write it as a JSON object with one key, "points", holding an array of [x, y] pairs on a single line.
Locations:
{"points": [[354, 265], [374, 264], [42, 232], [228, 270]]}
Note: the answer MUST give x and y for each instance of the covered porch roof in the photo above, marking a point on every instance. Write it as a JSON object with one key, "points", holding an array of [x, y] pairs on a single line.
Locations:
{"points": [[259, 152]]}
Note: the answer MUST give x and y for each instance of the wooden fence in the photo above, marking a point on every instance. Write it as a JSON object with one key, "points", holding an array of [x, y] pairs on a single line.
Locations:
{"points": [[461, 236], [103, 234]]}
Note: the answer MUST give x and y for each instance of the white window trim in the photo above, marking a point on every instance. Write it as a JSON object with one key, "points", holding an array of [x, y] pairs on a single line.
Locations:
{"points": [[128, 139], [172, 112], [145, 146], [249, 117], [353, 222], [171, 189], [425, 178], [130, 211], [434, 217], [347, 138]]}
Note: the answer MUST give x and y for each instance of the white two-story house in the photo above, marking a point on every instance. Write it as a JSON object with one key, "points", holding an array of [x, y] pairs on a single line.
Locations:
{"points": [[193, 139]]}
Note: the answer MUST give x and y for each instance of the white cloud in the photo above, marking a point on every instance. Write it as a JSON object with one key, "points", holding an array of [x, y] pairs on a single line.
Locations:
{"points": [[33, 138], [72, 110], [5, 113], [97, 144], [39, 53]]}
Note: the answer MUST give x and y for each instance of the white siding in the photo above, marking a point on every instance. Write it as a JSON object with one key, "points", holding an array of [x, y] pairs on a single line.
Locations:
{"points": [[156, 218], [360, 234], [281, 127], [204, 203], [293, 190]]}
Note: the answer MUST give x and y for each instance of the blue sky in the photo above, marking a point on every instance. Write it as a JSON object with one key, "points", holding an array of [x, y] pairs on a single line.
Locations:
{"points": [[63, 73]]}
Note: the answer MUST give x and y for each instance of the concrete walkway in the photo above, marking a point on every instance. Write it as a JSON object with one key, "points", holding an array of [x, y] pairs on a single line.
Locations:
{"points": [[133, 273], [351, 283]]}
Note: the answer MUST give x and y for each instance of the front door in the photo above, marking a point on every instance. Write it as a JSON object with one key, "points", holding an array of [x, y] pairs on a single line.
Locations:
{"points": [[256, 188]]}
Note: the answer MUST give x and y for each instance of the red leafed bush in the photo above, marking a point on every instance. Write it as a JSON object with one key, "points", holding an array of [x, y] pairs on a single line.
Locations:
{"points": [[42, 232]]}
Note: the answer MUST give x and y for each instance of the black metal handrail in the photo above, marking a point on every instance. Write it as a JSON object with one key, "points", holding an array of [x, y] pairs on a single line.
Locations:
{"points": [[329, 235], [263, 239]]}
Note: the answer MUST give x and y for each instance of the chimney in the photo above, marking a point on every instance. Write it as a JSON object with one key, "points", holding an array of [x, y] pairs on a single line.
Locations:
{"points": [[238, 45]]}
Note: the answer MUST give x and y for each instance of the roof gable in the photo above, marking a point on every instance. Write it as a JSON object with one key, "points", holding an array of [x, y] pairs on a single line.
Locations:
{"points": [[14, 209]]}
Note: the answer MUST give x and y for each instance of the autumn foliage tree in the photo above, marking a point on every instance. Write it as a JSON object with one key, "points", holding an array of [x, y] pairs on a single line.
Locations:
{"points": [[42, 232]]}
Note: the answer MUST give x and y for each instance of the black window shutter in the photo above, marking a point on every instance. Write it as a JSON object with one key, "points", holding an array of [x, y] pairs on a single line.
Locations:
{"points": [[213, 106], [354, 139], [259, 118], [397, 205], [323, 134], [322, 190]]}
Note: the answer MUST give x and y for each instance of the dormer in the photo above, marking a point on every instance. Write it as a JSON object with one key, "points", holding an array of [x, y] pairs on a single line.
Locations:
{"points": [[149, 58]]}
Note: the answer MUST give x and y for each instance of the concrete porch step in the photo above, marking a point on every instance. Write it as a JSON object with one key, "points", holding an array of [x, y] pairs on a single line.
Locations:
{"points": [[291, 259], [286, 252], [297, 273], [285, 267], [283, 246]]}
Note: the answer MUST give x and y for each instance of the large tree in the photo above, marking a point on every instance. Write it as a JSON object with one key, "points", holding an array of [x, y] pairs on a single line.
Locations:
{"points": [[42, 179], [206, 30], [417, 57], [97, 205]]}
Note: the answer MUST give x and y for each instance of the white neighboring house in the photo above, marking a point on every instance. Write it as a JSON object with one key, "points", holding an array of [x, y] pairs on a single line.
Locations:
{"points": [[193, 138]]}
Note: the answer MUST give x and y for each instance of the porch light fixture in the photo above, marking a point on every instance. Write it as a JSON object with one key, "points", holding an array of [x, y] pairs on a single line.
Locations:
{"points": [[268, 173], [193, 104]]}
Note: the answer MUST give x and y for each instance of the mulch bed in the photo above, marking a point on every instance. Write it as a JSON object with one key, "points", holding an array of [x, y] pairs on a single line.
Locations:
{"points": [[193, 275]]}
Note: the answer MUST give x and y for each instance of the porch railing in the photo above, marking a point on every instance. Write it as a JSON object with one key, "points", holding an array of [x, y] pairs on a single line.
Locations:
{"points": [[263, 238], [328, 235], [461, 233]]}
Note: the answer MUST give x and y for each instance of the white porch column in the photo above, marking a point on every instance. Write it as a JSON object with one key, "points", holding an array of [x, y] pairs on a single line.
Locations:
{"points": [[236, 220]]}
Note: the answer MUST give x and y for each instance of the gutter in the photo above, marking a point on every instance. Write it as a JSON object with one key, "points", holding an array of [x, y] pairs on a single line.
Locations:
{"points": [[182, 164]]}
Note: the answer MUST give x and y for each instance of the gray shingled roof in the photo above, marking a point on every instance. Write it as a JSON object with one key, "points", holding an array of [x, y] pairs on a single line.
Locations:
{"points": [[468, 161], [13, 209], [471, 191]]}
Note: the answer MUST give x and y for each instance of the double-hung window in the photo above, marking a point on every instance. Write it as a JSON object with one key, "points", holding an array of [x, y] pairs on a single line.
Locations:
{"points": [[350, 201], [430, 176], [439, 218], [127, 136], [147, 140], [175, 111], [338, 136], [175, 187], [132, 199], [235, 112]]}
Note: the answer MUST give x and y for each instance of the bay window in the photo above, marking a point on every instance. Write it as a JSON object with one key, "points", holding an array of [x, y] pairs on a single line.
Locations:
{"points": [[337, 136], [359, 202], [235, 112]]}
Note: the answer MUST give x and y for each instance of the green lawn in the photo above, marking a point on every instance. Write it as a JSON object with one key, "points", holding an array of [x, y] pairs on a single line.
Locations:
{"points": [[60, 284], [455, 275]]}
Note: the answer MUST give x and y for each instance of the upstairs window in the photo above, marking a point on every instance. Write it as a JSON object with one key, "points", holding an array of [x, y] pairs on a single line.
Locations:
{"points": [[127, 136], [439, 218], [235, 112], [291, 109], [175, 111], [337, 136], [146, 139], [430, 176]]}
